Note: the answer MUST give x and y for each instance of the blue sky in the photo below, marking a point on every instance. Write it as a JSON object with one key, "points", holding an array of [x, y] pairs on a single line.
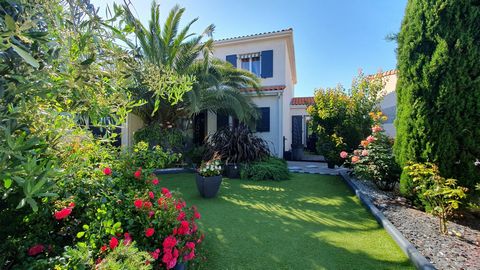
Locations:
{"points": [[333, 38]]}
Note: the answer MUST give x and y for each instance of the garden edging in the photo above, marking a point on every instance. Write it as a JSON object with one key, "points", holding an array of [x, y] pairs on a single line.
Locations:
{"points": [[413, 254]]}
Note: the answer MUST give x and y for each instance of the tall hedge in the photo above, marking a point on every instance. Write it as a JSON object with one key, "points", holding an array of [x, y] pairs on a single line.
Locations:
{"points": [[438, 90]]}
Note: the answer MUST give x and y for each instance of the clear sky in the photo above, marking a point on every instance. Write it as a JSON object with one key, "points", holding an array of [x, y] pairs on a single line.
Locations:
{"points": [[333, 38]]}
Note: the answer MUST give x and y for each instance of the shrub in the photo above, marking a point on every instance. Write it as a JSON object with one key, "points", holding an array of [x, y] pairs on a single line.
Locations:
{"points": [[170, 138], [438, 89], [126, 257], [236, 145], [374, 160], [441, 195], [269, 169]]}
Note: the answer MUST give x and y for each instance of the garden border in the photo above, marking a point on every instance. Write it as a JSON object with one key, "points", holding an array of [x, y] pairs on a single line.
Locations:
{"points": [[413, 254]]}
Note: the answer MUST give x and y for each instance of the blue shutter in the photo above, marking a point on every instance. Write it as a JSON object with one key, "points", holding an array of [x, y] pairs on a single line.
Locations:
{"points": [[263, 123], [267, 64], [232, 59]]}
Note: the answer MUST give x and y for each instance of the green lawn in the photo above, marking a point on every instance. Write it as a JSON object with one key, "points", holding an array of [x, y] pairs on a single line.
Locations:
{"points": [[308, 222]]}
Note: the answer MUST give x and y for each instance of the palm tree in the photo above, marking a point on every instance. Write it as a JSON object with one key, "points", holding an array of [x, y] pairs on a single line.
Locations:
{"points": [[217, 85]]}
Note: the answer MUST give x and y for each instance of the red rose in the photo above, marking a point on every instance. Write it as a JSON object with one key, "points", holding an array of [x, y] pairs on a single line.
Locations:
{"points": [[107, 171], [138, 203], [196, 215], [181, 215], [155, 181], [169, 242], [147, 205], [149, 232], [113, 243], [184, 228], [155, 254], [103, 248], [35, 250], [166, 193], [71, 205], [190, 245], [62, 213], [160, 201], [189, 256], [151, 195], [138, 173]]}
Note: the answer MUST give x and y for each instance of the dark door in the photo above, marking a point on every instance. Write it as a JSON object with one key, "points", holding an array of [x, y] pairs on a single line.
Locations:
{"points": [[297, 133], [199, 128]]}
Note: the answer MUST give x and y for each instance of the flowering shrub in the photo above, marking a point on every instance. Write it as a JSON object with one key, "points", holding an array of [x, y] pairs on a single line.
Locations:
{"points": [[441, 195], [374, 159], [210, 168]]}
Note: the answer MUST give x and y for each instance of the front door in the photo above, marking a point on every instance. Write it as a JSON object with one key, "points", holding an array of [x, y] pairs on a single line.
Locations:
{"points": [[297, 130]]}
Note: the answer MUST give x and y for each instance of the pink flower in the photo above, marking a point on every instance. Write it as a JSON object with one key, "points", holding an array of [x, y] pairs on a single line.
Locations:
{"points": [[63, 213], [166, 192], [181, 215], [113, 243], [138, 203], [184, 228], [343, 154], [196, 215], [169, 260], [107, 171], [128, 239], [151, 195], [370, 139], [36, 249], [376, 128], [355, 159], [155, 254], [155, 181], [190, 245], [138, 173], [151, 214], [149, 232], [365, 152], [189, 256]]}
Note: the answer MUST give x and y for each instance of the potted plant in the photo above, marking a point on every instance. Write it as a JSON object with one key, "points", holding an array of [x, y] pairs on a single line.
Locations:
{"points": [[209, 178]]}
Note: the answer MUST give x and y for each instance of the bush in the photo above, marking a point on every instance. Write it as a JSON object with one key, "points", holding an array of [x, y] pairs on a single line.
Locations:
{"points": [[237, 145], [142, 156], [270, 169], [374, 160], [439, 194], [438, 89], [171, 139]]}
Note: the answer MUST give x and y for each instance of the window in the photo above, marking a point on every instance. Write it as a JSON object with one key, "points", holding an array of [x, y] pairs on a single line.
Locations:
{"points": [[251, 62], [263, 122]]}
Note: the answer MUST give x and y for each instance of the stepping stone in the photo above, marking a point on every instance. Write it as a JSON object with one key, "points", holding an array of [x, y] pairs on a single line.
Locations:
{"points": [[294, 168], [311, 166]]}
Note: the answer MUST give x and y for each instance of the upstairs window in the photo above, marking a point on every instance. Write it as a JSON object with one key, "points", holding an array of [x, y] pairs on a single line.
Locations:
{"points": [[251, 62]]}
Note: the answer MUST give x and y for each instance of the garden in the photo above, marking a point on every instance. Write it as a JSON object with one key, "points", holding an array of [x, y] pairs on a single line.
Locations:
{"points": [[72, 198]]}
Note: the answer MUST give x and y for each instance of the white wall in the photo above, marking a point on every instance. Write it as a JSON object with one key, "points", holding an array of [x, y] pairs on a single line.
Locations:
{"points": [[132, 124], [389, 103], [274, 136]]}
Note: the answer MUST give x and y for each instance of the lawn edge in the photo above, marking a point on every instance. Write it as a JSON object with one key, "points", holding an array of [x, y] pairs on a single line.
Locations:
{"points": [[418, 260]]}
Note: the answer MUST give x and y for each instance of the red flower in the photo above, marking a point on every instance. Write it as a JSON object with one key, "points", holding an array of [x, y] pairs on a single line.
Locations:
{"points": [[113, 243], [194, 227], [149, 232], [107, 171], [166, 193], [155, 181], [169, 242], [151, 195], [189, 256], [71, 205], [181, 215], [35, 250], [155, 254], [138, 173], [160, 201], [184, 228], [138, 203], [169, 260], [179, 205], [128, 239], [201, 238], [190, 245], [65, 212], [196, 215], [103, 248], [147, 205], [151, 214]]}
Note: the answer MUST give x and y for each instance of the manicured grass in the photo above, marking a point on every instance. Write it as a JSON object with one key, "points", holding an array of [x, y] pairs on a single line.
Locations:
{"points": [[308, 222]]}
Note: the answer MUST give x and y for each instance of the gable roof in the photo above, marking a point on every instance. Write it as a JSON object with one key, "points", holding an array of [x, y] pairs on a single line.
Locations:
{"points": [[270, 33], [265, 88], [302, 101]]}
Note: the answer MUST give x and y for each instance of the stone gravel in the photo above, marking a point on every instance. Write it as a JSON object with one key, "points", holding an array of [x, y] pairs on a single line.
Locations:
{"points": [[460, 249]]}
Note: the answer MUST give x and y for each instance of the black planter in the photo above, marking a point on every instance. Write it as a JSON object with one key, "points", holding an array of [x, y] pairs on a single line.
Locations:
{"points": [[180, 266], [208, 186], [330, 165], [232, 171]]}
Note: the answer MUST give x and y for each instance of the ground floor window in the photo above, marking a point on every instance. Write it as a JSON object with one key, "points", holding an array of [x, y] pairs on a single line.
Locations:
{"points": [[263, 122]]}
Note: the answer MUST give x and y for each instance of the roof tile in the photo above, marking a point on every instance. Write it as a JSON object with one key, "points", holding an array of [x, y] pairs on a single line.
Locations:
{"points": [[302, 101]]}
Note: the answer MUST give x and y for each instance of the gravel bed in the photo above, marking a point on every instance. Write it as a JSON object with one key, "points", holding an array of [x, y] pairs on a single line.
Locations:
{"points": [[460, 249]]}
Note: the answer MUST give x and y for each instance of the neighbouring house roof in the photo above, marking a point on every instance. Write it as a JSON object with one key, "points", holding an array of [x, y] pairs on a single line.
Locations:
{"points": [[265, 88], [255, 35], [302, 101], [383, 74]]}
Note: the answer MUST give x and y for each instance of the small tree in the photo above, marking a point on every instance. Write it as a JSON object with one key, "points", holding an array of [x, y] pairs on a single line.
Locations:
{"points": [[441, 195]]}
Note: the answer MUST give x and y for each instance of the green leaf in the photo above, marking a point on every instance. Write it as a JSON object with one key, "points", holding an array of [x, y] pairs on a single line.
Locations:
{"points": [[10, 23], [80, 234], [85, 227], [21, 203], [117, 225], [32, 204], [26, 56], [7, 183]]}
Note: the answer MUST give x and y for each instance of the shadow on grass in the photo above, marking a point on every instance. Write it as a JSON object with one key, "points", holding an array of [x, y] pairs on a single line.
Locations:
{"points": [[310, 222]]}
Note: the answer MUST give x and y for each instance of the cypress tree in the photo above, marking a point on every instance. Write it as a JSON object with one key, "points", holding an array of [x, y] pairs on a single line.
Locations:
{"points": [[438, 90]]}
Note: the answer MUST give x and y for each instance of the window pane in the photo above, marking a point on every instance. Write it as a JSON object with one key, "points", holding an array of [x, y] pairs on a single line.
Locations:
{"points": [[263, 123], [246, 64], [256, 66]]}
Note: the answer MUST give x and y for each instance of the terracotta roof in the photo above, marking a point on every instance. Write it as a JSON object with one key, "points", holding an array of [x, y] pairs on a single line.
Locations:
{"points": [[266, 88], [302, 101], [255, 35], [383, 74]]}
